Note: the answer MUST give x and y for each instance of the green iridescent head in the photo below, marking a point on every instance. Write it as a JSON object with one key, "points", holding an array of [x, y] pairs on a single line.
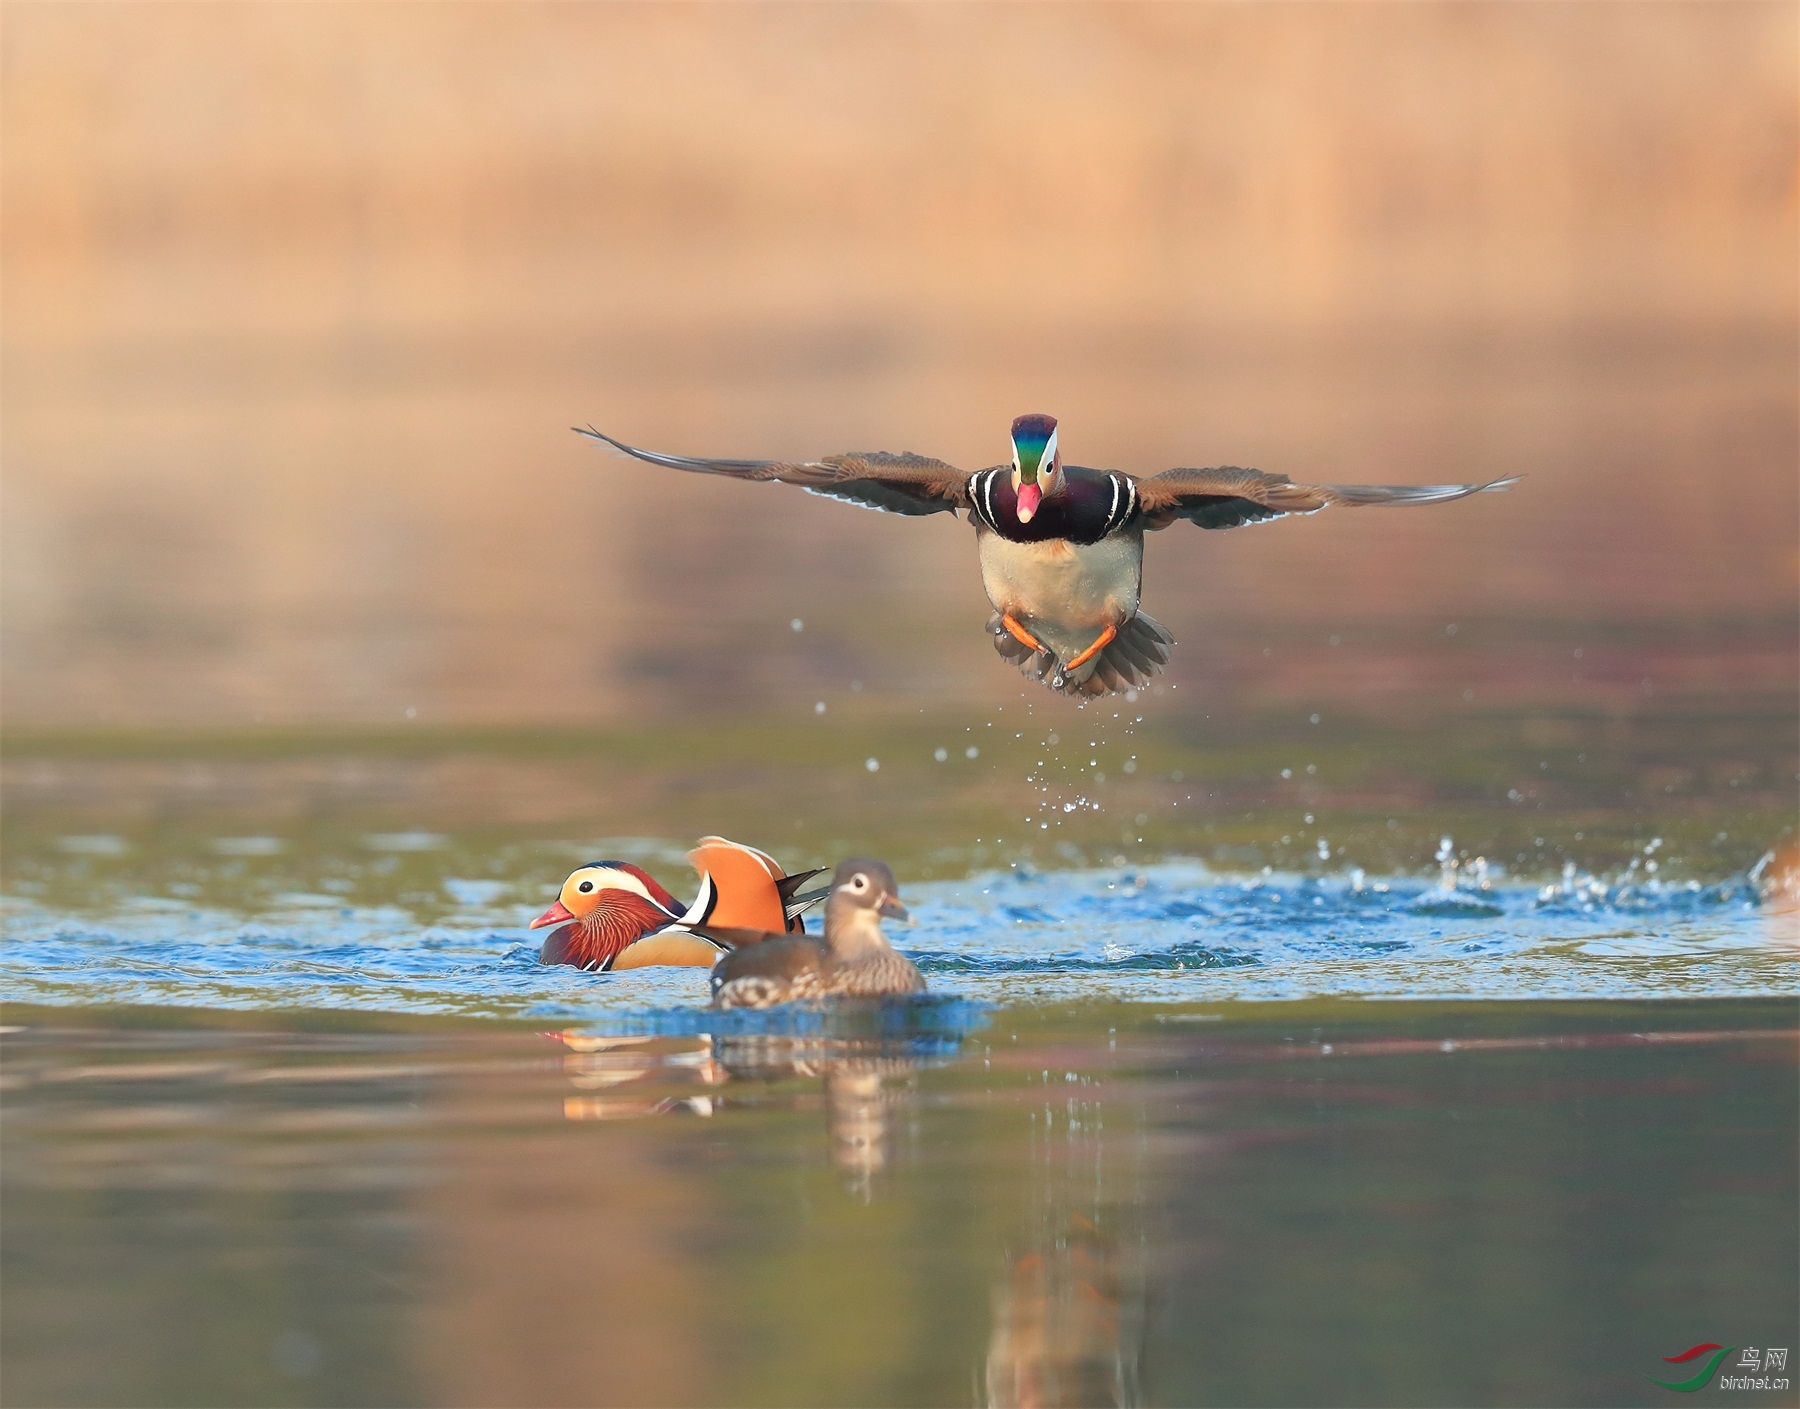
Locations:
{"points": [[1037, 463], [1034, 447]]}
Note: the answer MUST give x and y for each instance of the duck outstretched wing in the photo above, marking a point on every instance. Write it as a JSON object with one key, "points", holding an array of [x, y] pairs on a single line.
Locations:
{"points": [[1227, 496], [879, 479]]}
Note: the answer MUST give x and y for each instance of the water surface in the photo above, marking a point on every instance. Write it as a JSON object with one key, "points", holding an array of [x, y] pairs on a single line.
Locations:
{"points": [[1169, 933], [1286, 1068], [1299, 1203]]}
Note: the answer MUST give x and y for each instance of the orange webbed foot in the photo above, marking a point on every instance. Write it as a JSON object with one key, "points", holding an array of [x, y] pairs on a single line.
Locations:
{"points": [[1019, 633]]}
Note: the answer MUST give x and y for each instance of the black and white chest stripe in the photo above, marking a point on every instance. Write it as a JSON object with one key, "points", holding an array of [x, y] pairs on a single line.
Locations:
{"points": [[1123, 510], [1124, 502], [981, 497]]}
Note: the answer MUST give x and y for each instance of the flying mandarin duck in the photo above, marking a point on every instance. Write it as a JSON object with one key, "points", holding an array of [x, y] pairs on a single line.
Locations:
{"points": [[612, 915], [854, 959], [1062, 547]]}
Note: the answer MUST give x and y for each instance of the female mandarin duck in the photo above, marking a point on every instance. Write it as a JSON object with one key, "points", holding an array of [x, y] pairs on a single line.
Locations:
{"points": [[854, 959], [613, 915], [1062, 547]]}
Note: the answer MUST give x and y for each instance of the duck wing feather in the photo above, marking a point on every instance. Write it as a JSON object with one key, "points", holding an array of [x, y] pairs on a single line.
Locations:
{"points": [[1227, 496], [772, 970], [901, 483]]}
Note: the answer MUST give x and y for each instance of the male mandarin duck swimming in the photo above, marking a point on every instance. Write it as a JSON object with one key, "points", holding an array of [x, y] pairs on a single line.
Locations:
{"points": [[613, 915], [854, 959], [1062, 547]]}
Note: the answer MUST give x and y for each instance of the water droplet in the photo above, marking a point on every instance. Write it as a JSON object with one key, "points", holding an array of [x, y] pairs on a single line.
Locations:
{"points": [[819, 708], [797, 625], [941, 754], [873, 765], [971, 752]]}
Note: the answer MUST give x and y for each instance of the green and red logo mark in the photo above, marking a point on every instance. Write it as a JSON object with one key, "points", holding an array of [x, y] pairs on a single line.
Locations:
{"points": [[1714, 1353]]}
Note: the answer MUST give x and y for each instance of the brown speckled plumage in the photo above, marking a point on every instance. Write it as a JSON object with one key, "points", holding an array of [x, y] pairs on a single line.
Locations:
{"points": [[852, 959]]}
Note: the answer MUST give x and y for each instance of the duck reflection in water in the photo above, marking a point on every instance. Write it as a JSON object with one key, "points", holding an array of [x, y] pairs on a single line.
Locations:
{"points": [[1068, 1308], [1067, 1323], [606, 1063], [1067, 1311], [866, 1080]]}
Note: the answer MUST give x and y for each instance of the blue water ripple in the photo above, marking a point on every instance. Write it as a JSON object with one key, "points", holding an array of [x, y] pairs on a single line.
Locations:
{"points": [[1178, 932]]}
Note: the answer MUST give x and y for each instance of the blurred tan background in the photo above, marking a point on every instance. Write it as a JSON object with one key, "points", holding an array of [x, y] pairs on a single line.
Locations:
{"points": [[300, 301]]}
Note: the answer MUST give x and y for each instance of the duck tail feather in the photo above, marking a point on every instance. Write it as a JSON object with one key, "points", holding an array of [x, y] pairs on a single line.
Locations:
{"points": [[1034, 665], [1130, 660], [796, 902]]}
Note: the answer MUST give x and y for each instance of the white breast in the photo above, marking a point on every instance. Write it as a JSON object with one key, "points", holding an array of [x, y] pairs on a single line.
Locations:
{"points": [[1064, 593]]}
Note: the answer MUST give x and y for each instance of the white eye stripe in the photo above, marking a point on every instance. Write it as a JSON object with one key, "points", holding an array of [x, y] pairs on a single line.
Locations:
{"points": [[614, 880]]}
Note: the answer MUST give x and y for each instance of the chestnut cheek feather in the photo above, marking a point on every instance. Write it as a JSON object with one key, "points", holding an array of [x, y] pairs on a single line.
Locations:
{"points": [[618, 921]]}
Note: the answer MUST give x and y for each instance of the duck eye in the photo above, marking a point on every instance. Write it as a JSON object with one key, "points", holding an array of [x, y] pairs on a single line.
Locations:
{"points": [[585, 887], [861, 882]]}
